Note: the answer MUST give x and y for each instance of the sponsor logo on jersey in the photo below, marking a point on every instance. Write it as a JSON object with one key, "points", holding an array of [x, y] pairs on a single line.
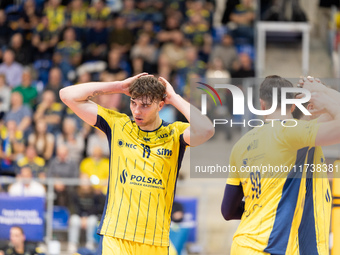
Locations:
{"points": [[122, 144], [144, 181], [123, 176], [164, 152]]}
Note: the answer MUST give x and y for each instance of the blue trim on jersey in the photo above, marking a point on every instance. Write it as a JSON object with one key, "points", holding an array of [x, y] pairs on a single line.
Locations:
{"points": [[278, 239], [307, 232], [104, 126], [100, 246]]}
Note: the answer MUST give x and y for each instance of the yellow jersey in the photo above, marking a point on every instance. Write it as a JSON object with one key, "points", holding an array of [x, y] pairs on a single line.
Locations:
{"points": [[272, 163], [143, 171]]}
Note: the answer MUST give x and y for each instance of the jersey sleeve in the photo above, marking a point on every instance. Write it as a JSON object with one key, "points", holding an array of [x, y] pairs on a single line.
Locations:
{"points": [[233, 177], [302, 135], [106, 119], [181, 126]]}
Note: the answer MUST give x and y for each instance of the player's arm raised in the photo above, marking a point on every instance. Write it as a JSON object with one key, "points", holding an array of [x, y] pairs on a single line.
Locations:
{"points": [[201, 128], [325, 99], [78, 97]]}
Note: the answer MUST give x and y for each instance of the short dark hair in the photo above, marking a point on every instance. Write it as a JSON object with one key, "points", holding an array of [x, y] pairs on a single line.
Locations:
{"points": [[274, 81], [147, 87]]}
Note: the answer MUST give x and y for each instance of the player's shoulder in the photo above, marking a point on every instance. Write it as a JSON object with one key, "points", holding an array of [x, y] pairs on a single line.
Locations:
{"points": [[109, 113], [179, 125]]}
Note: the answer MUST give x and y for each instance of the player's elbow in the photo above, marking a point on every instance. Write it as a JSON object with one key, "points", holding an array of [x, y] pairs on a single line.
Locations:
{"points": [[63, 95], [208, 132], [226, 214]]}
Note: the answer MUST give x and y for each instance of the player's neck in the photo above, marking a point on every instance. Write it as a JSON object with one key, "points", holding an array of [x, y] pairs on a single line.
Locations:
{"points": [[278, 116], [152, 126]]}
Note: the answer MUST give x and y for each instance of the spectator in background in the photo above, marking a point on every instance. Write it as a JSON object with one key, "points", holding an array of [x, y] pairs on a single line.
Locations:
{"points": [[24, 186], [171, 54], [5, 96], [148, 28], [190, 67], [130, 13], [17, 244], [172, 24], [12, 147], [121, 37], [29, 18], [96, 41], [5, 30], [23, 53], [96, 167], [20, 113], [34, 162], [77, 18], [144, 55], [44, 40], [71, 139], [97, 139], [99, 10], [26, 89], [42, 141], [56, 14], [11, 69], [243, 17], [68, 53], [50, 111], [55, 82], [216, 70], [114, 70], [226, 51], [201, 8], [195, 28], [62, 167], [87, 205], [244, 67]]}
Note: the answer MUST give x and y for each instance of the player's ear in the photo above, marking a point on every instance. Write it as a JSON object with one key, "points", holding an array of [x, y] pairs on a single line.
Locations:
{"points": [[310, 107], [160, 105], [263, 104]]}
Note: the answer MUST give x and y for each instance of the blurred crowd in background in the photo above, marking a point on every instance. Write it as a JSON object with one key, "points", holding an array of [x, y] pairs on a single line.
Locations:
{"points": [[47, 45]]}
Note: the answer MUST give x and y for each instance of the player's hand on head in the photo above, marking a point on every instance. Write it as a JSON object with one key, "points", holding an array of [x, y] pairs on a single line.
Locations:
{"points": [[127, 83], [169, 90], [311, 83]]}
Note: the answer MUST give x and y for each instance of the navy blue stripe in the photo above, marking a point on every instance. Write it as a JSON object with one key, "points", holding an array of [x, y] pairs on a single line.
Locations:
{"points": [[119, 211], [163, 225], [278, 239], [307, 232], [154, 233], [140, 194], [113, 203], [147, 217], [127, 217], [104, 126]]}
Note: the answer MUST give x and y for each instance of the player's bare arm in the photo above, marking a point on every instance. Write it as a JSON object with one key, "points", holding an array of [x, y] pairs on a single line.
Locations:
{"points": [[78, 97], [201, 128], [325, 99]]}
